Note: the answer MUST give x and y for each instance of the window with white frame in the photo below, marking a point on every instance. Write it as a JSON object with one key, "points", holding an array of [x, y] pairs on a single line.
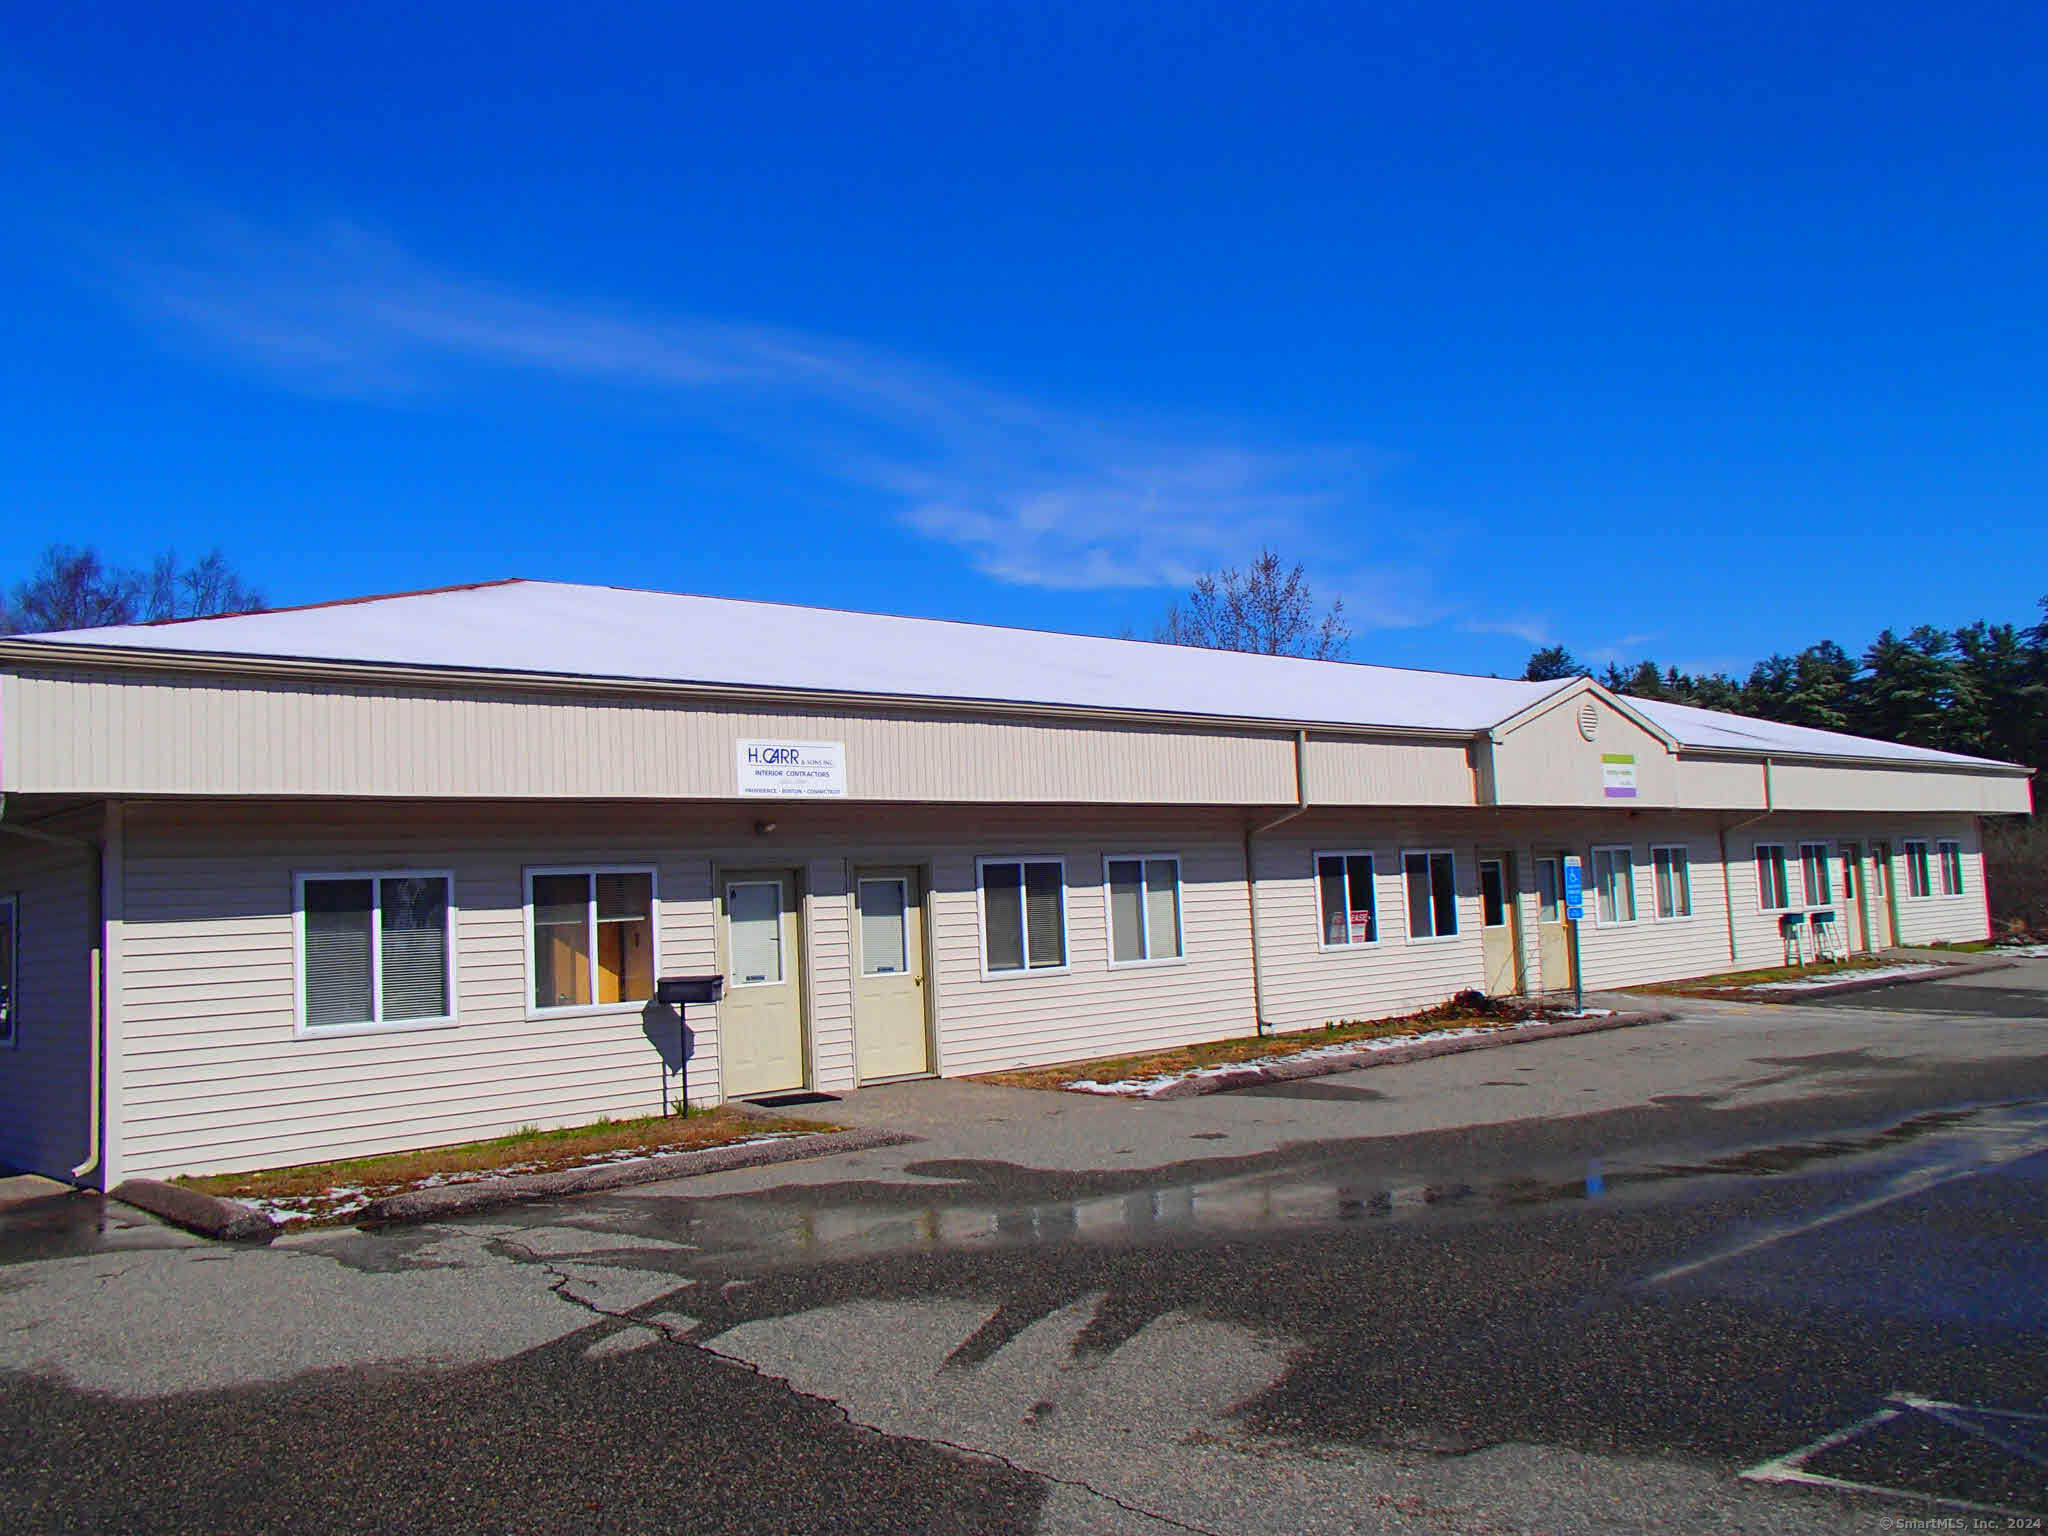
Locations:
{"points": [[1431, 879], [1918, 882], [10, 971], [1614, 882], [1144, 908], [1671, 868], [1773, 891], [375, 949], [1023, 914], [593, 941], [1813, 874], [1951, 856], [1550, 890], [1345, 897]]}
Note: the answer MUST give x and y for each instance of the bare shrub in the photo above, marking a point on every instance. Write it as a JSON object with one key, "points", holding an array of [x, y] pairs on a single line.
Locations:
{"points": [[2016, 875]]}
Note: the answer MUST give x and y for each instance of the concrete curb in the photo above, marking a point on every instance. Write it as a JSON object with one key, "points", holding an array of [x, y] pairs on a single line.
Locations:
{"points": [[1948, 972], [1250, 1075], [487, 1194], [227, 1221]]}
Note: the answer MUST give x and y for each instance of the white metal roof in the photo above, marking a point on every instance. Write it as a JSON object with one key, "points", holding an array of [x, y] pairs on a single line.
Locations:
{"points": [[1744, 733], [559, 629]]}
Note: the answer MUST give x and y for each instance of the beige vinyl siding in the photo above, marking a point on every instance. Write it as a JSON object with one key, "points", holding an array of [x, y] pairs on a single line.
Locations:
{"points": [[1651, 950], [1830, 789], [45, 1083], [1349, 772], [1720, 784], [155, 734], [828, 969], [1545, 760], [215, 1078], [218, 1080], [1936, 918], [1306, 985], [1923, 920], [986, 1024]]}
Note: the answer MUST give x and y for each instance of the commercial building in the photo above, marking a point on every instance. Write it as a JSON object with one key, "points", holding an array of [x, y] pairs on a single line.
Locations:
{"points": [[403, 871]]}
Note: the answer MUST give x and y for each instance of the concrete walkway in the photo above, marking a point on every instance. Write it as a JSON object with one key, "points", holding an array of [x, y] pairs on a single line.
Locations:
{"points": [[1728, 1055], [21, 1188]]}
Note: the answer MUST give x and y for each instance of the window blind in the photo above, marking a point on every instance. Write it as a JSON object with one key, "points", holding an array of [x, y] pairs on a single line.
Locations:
{"points": [[338, 918], [1044, 921], [415, 940], [1126, 910], [1162, 906], [1002, 909]]}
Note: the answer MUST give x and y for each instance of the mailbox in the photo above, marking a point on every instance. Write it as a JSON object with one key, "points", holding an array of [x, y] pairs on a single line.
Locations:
{"points": [[678, 990]]}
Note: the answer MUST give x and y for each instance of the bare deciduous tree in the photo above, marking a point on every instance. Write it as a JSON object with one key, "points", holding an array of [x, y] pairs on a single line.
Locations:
{"points": [[76, 589], [210, 586], [1266, 607]]}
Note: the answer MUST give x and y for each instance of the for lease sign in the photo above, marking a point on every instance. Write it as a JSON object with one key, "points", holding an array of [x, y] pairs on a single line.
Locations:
{"points": [[1618, 775], [801, 769]]}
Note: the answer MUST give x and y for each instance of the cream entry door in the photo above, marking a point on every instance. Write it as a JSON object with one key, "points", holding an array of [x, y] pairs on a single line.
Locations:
{"points": [[761, 1017], [1553, 931], [1884, 912], [1500, 931], [890, 1038], [1856, 928]]}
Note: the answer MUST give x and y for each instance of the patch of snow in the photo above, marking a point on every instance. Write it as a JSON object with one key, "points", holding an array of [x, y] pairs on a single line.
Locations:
{"points": [[1877, 973], [1144, 1087], [2023, 951], [347, 1199]]}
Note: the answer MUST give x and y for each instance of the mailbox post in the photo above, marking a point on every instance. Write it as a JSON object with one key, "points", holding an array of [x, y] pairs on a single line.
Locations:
{"points": [[678, 992], [1575, 911]]}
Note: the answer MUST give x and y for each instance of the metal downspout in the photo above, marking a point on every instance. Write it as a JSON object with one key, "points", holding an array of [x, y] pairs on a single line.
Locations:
{"points": [[1251, 883], [96, 982], [1727, 900]]}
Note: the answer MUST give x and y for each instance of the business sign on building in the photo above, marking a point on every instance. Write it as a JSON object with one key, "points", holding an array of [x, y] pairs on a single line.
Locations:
{"points": [[1618, 775], [793, 769]]}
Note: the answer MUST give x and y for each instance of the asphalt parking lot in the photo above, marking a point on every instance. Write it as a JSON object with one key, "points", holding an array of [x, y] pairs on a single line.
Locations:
{"points": [[1587, 1285]]}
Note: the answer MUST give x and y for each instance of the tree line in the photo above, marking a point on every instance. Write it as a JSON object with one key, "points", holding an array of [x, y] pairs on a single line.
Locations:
{"points": [[1981, 689], [76, 589]]}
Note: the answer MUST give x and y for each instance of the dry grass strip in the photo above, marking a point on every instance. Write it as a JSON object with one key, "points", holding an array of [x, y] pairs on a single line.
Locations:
{"points": [[1468, 1010], [527, 1151]]}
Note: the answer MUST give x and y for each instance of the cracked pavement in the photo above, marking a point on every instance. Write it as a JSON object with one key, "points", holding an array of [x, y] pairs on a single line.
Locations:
{"points": [[1255, 1313]]}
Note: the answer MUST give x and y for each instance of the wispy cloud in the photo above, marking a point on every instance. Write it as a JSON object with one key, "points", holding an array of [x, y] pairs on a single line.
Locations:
{"points": [[1628, 648], [1031, 494], [1534, 630]]}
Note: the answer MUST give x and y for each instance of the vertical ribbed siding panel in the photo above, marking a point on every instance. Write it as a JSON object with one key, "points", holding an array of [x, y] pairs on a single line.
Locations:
{"points": [[830, 957], [986, 1024], [157, 735], [45, 1091]]}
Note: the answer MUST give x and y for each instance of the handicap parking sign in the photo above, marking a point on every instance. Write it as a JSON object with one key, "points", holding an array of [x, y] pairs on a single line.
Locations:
{"points": [[1574, 888]]}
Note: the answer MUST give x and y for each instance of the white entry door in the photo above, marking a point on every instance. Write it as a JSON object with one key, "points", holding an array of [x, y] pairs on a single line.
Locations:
{"points": [[888, 992], [761, 1018]]}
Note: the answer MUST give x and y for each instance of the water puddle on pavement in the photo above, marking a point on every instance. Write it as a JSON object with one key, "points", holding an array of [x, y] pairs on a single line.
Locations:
{"points": [[1899, 1159]]}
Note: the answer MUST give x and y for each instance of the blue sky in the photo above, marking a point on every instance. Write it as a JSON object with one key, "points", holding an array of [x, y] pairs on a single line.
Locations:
{"points": [[1694, 331]]}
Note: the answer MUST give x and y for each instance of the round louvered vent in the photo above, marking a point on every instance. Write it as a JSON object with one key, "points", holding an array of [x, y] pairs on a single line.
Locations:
{"points": [[1589, 720]]}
